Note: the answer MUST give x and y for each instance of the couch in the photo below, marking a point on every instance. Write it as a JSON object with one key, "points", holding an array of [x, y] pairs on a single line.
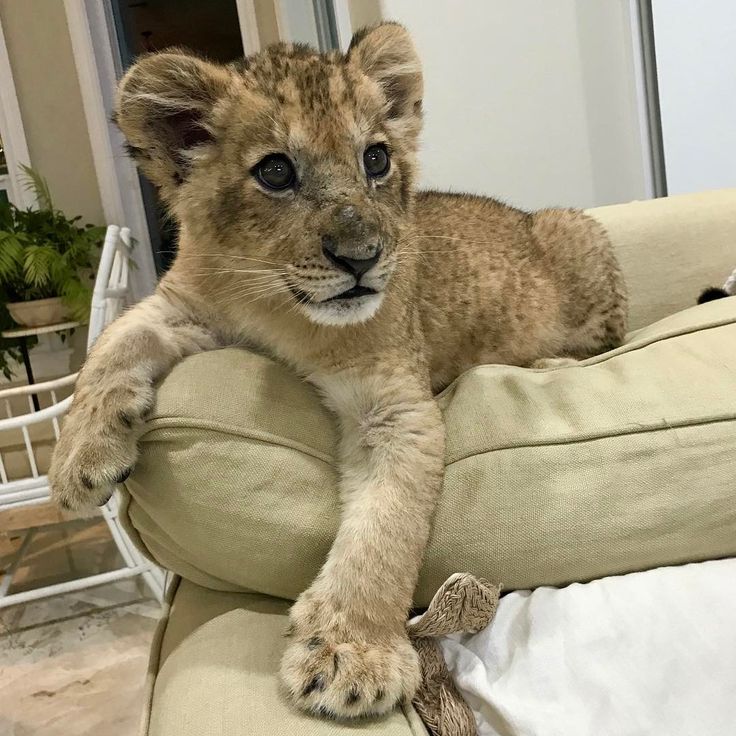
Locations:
{"points": [[620, 464]]}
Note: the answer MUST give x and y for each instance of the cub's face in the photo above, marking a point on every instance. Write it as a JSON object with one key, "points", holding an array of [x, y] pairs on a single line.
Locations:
{"points": [[294, 174]]}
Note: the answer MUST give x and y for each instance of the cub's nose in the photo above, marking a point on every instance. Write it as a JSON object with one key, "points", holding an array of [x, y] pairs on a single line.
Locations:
{"points": [[354, 266]]}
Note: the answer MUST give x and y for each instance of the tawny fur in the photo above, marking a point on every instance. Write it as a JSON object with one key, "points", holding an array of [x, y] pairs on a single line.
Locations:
{"points": [[461, 280]]}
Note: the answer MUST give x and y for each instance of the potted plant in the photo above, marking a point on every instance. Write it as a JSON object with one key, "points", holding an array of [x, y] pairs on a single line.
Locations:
{"points": [[46, 264]]}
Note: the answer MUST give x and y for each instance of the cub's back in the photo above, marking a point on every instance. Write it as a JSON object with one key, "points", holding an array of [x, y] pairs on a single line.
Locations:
{"points": [[497, 284]]}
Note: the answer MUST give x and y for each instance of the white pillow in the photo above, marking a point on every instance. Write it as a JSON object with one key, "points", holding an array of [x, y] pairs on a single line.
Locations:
{"points": [[645, 654]]}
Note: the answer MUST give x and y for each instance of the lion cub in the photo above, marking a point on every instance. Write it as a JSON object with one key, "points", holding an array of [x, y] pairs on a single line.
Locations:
{"points": [[292, 177]]}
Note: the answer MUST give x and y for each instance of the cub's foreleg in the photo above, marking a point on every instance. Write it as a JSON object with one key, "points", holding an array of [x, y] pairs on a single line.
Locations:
{"points": [[114, 392], [349, 655]]}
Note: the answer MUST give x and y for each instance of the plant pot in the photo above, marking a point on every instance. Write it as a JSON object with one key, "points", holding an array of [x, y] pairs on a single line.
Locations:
{"points": [[39, 312]]}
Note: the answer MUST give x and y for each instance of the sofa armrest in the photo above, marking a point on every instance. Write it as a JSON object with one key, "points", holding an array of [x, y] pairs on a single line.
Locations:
{"points": [[670, 249]]}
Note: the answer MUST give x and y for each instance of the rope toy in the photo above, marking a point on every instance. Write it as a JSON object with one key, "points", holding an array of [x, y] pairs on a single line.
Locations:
{"points": [[463, 604], [730, 286]]}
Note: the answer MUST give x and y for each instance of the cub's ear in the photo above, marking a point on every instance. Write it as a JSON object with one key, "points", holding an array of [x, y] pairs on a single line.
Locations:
{"points": [[164, 108], [386, 54]]}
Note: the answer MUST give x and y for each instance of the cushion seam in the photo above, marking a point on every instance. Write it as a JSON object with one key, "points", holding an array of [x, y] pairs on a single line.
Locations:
{"points": [[594, 437], [633, 347], [265, 437], [155, 651], [523, 445], [173, 422], [595, 360]]}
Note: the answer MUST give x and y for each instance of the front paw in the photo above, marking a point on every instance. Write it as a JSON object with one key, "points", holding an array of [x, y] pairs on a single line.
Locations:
{"points": [[333, 669], [97, 448]]}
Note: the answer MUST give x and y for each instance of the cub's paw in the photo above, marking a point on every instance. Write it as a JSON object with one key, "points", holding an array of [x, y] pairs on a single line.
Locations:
{"points": [[339, 673], [96, 450]]}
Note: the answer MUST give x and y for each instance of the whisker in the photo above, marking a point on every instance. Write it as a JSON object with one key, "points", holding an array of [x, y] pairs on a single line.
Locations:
{"points": [[450, 237], [263, 296], [248, 299], [233, 256], [214, 270], [249, 284], [259, 289], [254, 283]]}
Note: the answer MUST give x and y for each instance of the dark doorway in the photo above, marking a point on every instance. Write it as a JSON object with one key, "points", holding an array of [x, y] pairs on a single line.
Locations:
{"points": [[208, 27]]}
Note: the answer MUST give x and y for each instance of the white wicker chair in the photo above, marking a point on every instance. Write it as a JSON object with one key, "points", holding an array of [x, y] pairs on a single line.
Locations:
{"points": [[108, 300]]}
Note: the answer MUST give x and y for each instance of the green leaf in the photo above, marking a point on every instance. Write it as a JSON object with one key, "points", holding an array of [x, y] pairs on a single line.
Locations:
{"points": [[6, 215], [39, 261], [11, 256], [44, 253], [96, 232], [77, 298], [34, 182]]}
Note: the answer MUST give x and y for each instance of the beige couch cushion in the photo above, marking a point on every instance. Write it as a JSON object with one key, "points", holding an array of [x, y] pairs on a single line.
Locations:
{"points": [[670, 249], [213, 673], [623, 463]]}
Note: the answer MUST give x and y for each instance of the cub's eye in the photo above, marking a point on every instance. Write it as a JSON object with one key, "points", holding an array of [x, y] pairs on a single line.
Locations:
{"points": [[376, 160], [275, 172]]}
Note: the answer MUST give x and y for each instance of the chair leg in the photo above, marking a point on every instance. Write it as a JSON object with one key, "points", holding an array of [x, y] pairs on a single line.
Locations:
{"points": [[154, 576]]}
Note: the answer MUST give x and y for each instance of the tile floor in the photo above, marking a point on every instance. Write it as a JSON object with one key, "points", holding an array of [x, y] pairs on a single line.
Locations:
{"points": [[73, 665]]}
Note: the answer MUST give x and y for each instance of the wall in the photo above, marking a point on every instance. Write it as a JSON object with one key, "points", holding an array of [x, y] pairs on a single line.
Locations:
{"points": [[696, 71], [533, 101], [268, 27], [606, 61], [50, 103], [364, 13]]}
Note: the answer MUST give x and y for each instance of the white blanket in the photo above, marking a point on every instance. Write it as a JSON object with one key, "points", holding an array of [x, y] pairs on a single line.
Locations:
{"points": [[645, 654]]}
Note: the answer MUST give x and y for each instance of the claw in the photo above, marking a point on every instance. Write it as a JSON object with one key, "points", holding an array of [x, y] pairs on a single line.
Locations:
{"points": [[315, 684], [122, 477], [102, 503], [125, 419]]}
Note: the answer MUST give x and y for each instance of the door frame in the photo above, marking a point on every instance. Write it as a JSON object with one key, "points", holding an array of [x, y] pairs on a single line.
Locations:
{"points": [[343, 23], [647, 93], [99, 67], [248, 26], [117, 177], [12, 132]]}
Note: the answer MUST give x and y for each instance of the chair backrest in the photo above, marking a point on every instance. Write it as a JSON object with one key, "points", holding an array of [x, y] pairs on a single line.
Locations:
{"points": [[111, 285], [26, 438]]}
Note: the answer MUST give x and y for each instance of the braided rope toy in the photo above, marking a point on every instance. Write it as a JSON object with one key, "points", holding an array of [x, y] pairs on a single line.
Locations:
{"points": [[463, 604], [730, 286]]}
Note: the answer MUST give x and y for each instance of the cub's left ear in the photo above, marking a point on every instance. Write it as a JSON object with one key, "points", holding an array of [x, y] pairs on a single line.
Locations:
{"points": [[164, 108], [386, 54]]}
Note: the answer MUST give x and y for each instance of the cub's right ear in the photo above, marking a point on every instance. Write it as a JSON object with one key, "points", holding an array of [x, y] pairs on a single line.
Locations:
{"points": [[164, 107]]}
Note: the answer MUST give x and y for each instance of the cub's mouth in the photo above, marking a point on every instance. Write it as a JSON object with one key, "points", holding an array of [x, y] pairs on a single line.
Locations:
{"points": [[352, 293], [352, 306]]}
